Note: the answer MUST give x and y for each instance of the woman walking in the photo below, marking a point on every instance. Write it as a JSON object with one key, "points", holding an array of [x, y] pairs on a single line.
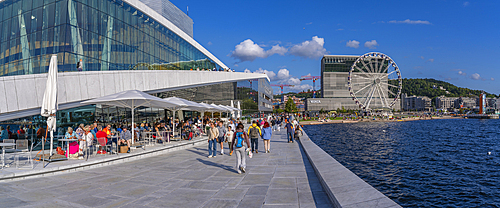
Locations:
{"points": [[267, 132], [239, 147]]}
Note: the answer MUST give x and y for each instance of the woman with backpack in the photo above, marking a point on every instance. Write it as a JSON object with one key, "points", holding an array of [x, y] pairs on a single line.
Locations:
{"points": [[239, 147]]}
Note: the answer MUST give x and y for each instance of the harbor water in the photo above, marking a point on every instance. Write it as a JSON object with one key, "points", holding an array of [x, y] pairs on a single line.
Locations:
{"points": [[428, 163]]}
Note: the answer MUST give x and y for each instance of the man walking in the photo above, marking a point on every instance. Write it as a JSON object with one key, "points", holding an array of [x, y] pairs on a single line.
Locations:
{"points": [[220, 138], [254, 132], [213, 133], [289, 131]]}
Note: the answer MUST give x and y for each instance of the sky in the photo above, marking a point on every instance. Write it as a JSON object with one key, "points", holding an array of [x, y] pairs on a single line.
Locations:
{"points": [[453, 41]]}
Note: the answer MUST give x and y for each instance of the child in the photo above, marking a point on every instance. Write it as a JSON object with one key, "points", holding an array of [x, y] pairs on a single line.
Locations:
{"points": [[298, 132], [229, 139]]}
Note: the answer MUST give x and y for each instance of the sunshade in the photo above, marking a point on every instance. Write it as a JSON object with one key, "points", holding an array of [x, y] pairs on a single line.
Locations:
{"points": [[183, 105], [132, 99]]}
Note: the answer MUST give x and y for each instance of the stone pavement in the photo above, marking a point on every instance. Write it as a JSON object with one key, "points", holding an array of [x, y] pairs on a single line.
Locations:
{"points": [[184, 178]]}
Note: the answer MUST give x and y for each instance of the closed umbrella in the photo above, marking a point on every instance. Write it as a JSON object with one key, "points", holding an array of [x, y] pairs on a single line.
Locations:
{"points": [[49, 103], [132, 99]]}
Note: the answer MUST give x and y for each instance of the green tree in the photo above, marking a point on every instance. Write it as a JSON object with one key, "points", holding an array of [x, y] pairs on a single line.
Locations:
{"points": [[290, 106], [278, 111]]}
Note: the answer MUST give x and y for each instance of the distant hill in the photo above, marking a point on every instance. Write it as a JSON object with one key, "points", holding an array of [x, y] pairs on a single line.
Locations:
{"points": [[418, 87], [425, 87]]}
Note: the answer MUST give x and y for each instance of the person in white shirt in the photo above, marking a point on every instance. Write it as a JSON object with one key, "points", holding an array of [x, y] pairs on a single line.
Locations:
{"points": [[229, 139], [85, 142]]}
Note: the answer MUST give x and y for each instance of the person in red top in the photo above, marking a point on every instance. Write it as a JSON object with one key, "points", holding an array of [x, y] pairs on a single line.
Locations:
{"points": [[101, 134], [21, 131]]}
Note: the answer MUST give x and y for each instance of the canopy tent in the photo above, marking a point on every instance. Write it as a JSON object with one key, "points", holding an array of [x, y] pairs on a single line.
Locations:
{"points": [[49, 103], [183, 104], [132, 99], [233, 108], [210, 108]]}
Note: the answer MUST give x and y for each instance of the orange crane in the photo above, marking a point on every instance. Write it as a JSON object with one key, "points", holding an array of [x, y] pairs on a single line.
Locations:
{"points": [[281, 86], [313, 78]]}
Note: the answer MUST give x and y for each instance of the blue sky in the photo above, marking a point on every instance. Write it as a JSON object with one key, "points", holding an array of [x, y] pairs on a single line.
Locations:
{"points": [[453, 41]]}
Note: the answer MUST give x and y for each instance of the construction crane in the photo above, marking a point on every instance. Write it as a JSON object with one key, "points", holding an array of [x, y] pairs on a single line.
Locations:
{"points": [[313, 78], [281, 86]]}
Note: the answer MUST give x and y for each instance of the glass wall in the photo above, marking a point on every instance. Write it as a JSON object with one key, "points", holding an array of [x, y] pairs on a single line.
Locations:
{"points": [[253, 95], [103, 34]]}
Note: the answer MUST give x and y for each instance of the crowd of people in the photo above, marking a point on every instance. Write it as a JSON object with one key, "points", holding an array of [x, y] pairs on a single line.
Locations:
{"points": [[219, 132], [236, 137]]}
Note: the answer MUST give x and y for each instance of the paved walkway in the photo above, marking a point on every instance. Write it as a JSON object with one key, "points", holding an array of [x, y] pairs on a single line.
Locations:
{"points": [[184, 178]]}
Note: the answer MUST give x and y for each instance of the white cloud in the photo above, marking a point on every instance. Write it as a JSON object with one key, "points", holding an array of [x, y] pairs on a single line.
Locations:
{"points": [[421, 57], [492, 79], [270, 74], [283, 74], [300, 88], [249, 51], [430, 60], [475, 76], [465, 4], [371, 44], [461, 73], [412, 22], [309, 49], [209, 43], [352, 44], [290, 81], [277, 49]]}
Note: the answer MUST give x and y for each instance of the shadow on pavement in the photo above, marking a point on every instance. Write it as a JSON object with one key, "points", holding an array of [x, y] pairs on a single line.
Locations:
{"points": [[210, 163], [198, 151]]}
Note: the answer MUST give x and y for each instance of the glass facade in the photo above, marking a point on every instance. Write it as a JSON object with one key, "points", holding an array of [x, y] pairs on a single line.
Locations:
{"points": [[253, 95], [108, 35], [103, 34]]}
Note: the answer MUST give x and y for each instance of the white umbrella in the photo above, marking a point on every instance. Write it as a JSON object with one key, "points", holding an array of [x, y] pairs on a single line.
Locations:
{"points": [[49, 103], [233, 108], [132, 99], [228, 109], [182, 105], [218, 109]]}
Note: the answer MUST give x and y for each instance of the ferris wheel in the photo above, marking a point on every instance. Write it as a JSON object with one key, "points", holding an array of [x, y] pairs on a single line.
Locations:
{"points": [[374, 81]]}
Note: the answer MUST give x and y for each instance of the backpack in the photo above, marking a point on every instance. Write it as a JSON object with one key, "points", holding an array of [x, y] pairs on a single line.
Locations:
{"points": [[254, 132], [239, 139]]}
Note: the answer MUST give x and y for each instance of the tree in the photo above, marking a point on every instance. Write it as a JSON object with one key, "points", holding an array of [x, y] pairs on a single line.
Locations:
{"points": [[290, 106], [278, 111]]}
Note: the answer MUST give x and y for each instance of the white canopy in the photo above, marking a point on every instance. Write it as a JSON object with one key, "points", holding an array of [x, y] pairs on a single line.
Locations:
{"points": [[186, 104], [183, 105], [132, 99], [233, 108], [226, 107], [210, 108], [220, 109]]}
